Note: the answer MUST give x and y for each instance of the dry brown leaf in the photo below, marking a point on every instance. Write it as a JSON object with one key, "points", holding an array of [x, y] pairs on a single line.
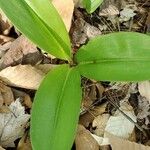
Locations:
{"points": [[24, 143], [25, 98], [4, 48], [143, 109], [4, 23], [6, 94], [101, 140], [21, 51], [1, 148], [89, 116], [5, 39], [110, 11], [100, 123], [84, 140], [121, 144], [144, 89], [24, 76], [65, 10], [83, 31]]}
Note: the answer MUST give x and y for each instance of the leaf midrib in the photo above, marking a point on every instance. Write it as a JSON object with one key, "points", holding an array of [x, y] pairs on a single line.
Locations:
{"points": [[114, 60], [46, 28], [60, 99]]}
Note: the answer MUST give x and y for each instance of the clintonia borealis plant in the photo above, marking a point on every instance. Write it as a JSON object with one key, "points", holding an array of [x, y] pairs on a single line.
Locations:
{"points": [[123, 56]]}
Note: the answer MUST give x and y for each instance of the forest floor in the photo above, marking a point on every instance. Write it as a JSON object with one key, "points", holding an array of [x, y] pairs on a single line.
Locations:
{"points": [[114, 115]]}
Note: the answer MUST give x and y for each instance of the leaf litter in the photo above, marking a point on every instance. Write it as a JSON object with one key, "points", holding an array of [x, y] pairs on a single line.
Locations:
{"points": [[107, 108], [13, 124]]}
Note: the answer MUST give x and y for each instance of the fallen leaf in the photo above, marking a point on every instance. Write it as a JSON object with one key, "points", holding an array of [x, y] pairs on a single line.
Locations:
{"points": [[100, 123], [4, 48], [88, 117], [4, 24], [25, 98], [119, 125], [144, 89], [110, 11], [13, 124], [5, 39], [1, 148], [6, 94], [143, 109], [83, 31], [24, 143], [101, 140], [21, 51], [118, 143], [91, 31], [65, 10], [84, 140], [126, 14], [24, 76]]}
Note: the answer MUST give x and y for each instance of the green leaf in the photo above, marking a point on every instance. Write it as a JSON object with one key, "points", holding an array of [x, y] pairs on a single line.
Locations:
{"points": [[56, 109], [41, 23], [116, 57], [91, 5]]}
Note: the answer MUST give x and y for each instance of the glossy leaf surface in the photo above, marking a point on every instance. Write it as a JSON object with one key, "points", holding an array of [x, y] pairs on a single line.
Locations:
{"points": [[116, 57], [56, 109], [91, 5], [41, 23]]}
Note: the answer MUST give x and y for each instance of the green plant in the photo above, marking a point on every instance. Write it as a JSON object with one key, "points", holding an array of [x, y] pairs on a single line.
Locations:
{"points": [[123, 56], [91, 5]]}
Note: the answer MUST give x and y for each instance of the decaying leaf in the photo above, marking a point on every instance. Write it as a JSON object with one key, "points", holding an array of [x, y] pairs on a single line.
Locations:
{"points": [[100, 123], [101, 140], [4, 23], [4, 48], [143, 109], [5, 39], [21, 51], [65, 10], [88, 117], [83, 31], [118, 143], [144, 89], [24, 76], [6, 94], [84, 140], [126, 14], [119, 125], [110, 11], [1, 148], [24, 143], [13, 124], [25, 98]]}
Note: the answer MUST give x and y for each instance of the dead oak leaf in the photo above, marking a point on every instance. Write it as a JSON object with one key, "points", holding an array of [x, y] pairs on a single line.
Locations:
{"points": [[13, 124], [21, 51], [25, 76]]}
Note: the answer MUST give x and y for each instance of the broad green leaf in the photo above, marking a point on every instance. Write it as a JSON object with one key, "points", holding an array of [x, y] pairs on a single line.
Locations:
{"points": [[56, 109], [51, 17], [33, 21], [91, 5], [116, 57]]}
